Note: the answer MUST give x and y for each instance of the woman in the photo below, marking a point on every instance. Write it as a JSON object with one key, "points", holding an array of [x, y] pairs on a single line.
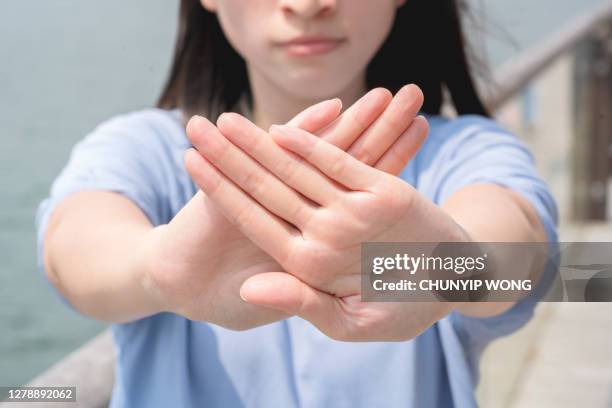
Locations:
{"points": [[230, 275]]}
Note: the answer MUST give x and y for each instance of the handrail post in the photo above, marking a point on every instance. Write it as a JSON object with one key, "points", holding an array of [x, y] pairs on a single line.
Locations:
{"points": [[593, 125]]}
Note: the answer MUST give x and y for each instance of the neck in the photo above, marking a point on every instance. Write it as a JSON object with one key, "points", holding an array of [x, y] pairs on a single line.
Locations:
{"points": [[273, 105]]}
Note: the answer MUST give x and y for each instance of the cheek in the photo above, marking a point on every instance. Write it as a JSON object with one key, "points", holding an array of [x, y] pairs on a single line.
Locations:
{"points": [[243, 22], [369, 24]]}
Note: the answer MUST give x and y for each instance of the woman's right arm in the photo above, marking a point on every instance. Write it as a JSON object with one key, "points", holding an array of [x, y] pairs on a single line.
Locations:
{"points": [[104, 255], [107, 259], [100, 249], [102, 273]]}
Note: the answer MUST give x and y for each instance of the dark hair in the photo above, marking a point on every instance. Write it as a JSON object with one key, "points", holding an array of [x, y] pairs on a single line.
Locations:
{"points": [[209, 77]]}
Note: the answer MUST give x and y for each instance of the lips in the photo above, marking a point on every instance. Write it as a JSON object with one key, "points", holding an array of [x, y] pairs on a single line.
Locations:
{"points": [[310, 46]]}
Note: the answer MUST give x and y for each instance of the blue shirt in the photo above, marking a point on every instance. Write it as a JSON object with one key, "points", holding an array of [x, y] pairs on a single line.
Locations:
{"points": [[166, 360]]}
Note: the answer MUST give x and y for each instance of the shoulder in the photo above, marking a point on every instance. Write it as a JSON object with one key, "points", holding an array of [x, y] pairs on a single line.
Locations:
{"points": [[467, 137], [451, 131], [146, 138], [149, 125], [148, 117], [467, 150], [138, 154]]}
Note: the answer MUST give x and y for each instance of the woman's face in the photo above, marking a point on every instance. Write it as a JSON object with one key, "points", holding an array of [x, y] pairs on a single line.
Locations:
{"points": [[312, 49]]}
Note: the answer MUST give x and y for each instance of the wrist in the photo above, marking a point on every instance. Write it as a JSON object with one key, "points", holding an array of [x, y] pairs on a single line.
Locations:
{"points": [[145, 263]]}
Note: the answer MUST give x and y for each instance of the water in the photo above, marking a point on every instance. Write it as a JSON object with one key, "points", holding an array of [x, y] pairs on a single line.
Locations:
{"points": [[66, 66]]}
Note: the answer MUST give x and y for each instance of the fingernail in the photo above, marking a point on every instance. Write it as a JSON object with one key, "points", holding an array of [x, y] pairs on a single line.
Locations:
{"points": [[242, 296], [323, 106], [339, 102], [230, 120], [410, 92], [278, 129], [186, 152], [407, 90], [196, 122], [376, 97], [222, 118]]}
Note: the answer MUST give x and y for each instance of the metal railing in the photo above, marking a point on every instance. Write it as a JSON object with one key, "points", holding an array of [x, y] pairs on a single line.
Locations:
{"points": [[589, 37], [516, 74], [90, 368]]}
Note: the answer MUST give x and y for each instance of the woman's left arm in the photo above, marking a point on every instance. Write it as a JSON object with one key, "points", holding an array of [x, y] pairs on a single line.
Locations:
{"points": [[491, 213]]}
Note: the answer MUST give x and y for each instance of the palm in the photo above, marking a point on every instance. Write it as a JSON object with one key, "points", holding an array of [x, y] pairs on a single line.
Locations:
{"points": [[316, 234], [236, 255], [228, 258]]}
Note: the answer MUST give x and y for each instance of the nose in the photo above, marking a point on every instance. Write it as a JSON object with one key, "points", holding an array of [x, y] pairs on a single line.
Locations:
{"points": [[308, 8]]}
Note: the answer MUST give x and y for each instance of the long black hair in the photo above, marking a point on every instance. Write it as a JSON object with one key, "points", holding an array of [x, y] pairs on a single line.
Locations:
{"points": [[209, 77]]}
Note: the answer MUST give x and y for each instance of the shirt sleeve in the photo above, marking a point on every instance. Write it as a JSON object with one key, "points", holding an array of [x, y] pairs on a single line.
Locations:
{"points": [[474, 150], [127, 155]]}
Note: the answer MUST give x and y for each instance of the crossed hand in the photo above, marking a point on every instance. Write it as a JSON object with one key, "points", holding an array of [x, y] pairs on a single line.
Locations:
{"points": [[282, 215]]}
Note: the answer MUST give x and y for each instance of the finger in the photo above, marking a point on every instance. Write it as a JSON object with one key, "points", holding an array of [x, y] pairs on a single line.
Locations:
{"points": [[290, 169], [271, 234], [329, 159], [389, 126], [317, 116], [405, 148], [255, 180], [352, 123], [286, 293]]}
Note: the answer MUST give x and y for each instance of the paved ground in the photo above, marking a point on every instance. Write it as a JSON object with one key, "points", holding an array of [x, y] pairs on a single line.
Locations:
{"points": [[562, 358]]}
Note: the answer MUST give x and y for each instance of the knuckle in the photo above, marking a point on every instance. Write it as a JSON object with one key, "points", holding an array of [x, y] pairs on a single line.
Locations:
{"points": [[213, 186], [365, 156], [253, 181], [360, 117], [223, 152], [244, 217], [301, 215], [253, 143], [395, 158], [337, 166], [397, 122], [287, 170]]}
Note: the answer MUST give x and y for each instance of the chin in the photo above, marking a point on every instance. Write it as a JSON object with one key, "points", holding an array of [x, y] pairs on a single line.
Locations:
{"points": [[317, 86], [312, 93]]}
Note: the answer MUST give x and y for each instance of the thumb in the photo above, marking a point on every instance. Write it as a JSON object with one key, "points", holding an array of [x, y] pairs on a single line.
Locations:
{"points": [[288, 294], [318, 116]]}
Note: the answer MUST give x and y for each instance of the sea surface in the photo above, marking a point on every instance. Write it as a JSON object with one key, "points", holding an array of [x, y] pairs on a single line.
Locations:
{"points": [[67, 65]]}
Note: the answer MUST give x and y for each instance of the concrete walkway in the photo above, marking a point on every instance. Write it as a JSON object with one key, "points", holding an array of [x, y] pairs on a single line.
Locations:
{"points": [[562, 358]]}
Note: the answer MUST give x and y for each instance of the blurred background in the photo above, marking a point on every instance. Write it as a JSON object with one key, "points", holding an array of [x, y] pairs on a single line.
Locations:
{"points": [[68, 65]]}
